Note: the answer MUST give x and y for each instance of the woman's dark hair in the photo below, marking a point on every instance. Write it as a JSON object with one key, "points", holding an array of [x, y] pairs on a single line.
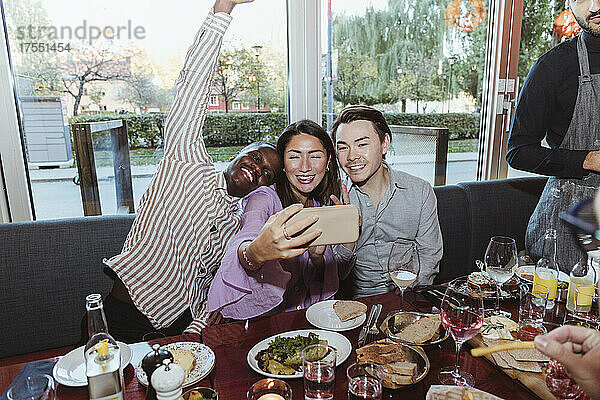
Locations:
{"points": [[363, 113], [331, 181]]}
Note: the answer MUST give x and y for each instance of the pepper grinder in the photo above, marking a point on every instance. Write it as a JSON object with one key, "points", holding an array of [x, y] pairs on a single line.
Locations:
{"points": [[150, 363], [168, 381]]}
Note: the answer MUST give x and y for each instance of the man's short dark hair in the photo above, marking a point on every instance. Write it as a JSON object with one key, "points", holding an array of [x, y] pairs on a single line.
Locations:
{"points": [[363, 113]]}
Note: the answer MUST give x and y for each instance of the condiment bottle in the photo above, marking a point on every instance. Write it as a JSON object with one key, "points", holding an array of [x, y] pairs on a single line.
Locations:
{"points": [[167, 380], [102, 355], [546, 269], [583, 276], [150, 363]]}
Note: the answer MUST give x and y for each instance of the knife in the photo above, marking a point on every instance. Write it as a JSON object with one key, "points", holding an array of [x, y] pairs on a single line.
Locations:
{"points": [[363, 332]]}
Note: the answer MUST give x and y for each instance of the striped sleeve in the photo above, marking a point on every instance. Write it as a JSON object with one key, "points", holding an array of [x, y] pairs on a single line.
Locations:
{"points": [[184, 123]]}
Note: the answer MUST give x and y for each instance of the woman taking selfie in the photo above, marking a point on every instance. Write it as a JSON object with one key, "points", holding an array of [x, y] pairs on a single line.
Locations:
{"points": [[268, 266]]}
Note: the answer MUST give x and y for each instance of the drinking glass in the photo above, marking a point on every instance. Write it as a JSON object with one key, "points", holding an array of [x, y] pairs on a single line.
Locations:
{"points": [[403, 264], [462, 316], [318, 363], [500, 262], [270, 389], [36, 387], [365, 381], [532, 310]]}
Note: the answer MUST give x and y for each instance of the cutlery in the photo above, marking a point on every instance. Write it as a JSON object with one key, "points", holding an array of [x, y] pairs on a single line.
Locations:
{"points": [[363, 332], [373, 331]]}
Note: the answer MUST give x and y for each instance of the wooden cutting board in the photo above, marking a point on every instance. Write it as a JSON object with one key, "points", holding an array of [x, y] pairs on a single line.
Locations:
{"points": [[533, 381]]}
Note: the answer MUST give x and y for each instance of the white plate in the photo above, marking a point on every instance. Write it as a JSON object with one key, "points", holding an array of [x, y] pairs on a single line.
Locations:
{"points": [[336, 340], [70, 369], [529, 269], [205, 361], [322, 315]]}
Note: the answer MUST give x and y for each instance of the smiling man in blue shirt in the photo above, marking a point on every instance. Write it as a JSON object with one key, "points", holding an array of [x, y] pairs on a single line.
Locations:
{"points": [[393, 205]]}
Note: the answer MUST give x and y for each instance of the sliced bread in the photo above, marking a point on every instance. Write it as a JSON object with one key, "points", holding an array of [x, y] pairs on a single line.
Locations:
{"points": [[349, 309], [421, 330], [185, 359]]}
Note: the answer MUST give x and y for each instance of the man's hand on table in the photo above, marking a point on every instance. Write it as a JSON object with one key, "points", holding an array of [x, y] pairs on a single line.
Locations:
{"points": [[227, 5], [578, 349]]}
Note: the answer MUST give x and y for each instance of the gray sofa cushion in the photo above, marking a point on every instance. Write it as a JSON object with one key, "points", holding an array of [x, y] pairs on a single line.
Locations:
{"points": [[455, 220], [501, 208], [48, 268]]}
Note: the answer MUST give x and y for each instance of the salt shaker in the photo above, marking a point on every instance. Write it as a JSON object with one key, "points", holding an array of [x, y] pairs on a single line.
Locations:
{"points": [[167, 380], [150, 363]]}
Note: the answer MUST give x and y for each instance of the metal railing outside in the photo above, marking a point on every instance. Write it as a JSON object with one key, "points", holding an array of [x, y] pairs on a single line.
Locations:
{"points": [[415, 149]]}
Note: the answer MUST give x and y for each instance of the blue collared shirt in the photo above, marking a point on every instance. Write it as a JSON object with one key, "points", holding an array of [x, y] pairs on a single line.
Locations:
{"points": [[408, 210]]}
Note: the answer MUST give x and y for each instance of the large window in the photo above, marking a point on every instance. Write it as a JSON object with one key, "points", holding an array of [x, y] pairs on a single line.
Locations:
{"points": [[79, 62], [421, 63]]}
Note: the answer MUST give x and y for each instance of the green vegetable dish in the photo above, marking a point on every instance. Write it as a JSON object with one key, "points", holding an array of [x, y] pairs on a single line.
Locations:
{"points": [[563, 285], [284, 354]]}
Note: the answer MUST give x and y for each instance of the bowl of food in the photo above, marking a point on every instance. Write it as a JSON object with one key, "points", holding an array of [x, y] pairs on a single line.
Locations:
{"points": [[414, 328], [403, 365], [201, 393]]}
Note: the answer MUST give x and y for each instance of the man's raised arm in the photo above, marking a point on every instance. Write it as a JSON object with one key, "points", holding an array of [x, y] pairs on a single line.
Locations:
{"points": [[183, 138]]}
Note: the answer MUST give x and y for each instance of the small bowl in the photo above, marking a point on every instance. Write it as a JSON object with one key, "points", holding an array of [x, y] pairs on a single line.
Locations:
{"points": [[205, 392]]}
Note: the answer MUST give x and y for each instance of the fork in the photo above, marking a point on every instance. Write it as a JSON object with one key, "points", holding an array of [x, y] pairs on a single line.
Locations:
{"points": [[373, 331]]}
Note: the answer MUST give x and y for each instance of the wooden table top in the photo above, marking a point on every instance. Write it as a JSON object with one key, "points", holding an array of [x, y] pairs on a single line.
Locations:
{"points": [[232, 376]]}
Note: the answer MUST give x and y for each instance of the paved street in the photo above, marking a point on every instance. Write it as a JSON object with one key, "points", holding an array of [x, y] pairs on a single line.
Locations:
{"points": [[56, 196]]}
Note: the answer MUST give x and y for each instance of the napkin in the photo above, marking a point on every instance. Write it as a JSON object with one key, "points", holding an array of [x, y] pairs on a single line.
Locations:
{"points": [[31, 369], [445, 392]]}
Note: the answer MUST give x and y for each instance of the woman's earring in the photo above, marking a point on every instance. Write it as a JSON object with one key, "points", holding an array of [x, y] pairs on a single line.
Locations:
{"points": [[283, 169]]}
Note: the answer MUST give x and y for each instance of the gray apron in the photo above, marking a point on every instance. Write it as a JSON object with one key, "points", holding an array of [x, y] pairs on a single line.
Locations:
{"points": [[560, 193]]}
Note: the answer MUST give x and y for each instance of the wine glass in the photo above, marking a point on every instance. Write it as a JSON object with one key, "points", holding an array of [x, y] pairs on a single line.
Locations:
{"points": [[403, 264], [500, 261], [462, 316]]}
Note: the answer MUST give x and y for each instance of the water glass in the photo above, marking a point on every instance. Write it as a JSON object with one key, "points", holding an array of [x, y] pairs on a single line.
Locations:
{"points": [[36, 387], [532, 310], [365, 381], [318, 363]]}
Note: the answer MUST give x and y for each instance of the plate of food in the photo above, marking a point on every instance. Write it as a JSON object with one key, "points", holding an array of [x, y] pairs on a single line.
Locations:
{"points": [[481, 284], [279, 356], [196, 359], [337, 315], [404, 365], [70, 369], [525, 272], [414, 328]]}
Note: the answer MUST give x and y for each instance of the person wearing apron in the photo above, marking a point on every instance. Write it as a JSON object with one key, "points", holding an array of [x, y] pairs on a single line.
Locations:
{"points": [[572, 162]]}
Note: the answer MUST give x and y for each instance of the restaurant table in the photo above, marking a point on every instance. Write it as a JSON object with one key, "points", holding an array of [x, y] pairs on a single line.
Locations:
{"points": [[232, 376]]}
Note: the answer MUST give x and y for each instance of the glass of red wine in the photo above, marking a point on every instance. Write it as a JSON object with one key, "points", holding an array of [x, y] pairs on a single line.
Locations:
{"points": [[462, 316]]}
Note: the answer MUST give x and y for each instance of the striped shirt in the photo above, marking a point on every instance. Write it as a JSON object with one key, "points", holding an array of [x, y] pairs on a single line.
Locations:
{"points": [[185, 217]]}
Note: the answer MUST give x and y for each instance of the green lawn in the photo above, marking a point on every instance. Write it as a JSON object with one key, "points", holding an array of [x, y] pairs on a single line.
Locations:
{"points": [[463, 146]]}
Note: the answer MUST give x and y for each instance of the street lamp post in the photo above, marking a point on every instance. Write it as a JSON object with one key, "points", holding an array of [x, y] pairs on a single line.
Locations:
{"points": [[257, 48], [451, 61]]}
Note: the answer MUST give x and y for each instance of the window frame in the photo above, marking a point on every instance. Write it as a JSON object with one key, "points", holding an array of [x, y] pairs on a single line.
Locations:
{"points": [[16, 198], [304, 85]]}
